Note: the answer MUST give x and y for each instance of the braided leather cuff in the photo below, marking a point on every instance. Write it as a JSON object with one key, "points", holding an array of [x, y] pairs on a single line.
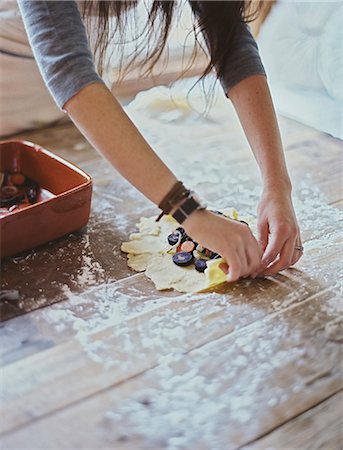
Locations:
{"points": [[175, 196], [190, 205]]}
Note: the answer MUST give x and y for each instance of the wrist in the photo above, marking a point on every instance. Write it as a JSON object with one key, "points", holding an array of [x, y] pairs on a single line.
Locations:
{"points": [[187, 207], [194, 220], [277, 186]]}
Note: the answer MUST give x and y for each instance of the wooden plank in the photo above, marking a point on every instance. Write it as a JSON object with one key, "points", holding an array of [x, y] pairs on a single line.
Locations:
{"points": [[338, 204], [318, 428], [81, 260], [197, 320], [99, 306], [306, 140], [44, 329], [318, 158], [310, 176], [64, 139], [227, 393], [48, 376]]}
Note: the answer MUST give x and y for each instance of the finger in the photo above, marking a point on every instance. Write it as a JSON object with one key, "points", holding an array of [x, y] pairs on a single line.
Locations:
{"points": [[297, 254], [263, 233], [243, 260], [285, 259], [224, 267], [234, 268], [275, 244], [254, 255]]}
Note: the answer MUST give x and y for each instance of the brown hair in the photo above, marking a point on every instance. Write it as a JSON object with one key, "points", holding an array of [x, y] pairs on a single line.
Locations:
{"points": [[219, 21]]}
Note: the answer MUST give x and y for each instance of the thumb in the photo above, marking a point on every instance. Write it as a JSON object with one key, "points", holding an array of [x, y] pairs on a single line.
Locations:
{"points": [[263, 234]]}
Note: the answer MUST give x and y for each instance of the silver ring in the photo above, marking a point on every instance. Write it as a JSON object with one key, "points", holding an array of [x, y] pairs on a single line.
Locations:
{"points": [[299, 247]]}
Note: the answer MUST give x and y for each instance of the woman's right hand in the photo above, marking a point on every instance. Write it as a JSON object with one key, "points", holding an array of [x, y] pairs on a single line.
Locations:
{"points": [[229, 238]]}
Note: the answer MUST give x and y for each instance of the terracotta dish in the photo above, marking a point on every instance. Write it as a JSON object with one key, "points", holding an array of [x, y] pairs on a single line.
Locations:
{"points": [[62, 207]]}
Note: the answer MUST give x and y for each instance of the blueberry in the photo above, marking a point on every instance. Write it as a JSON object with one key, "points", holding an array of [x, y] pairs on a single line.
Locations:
{"points": [[183, 258], [174, 238], [200, 265]]}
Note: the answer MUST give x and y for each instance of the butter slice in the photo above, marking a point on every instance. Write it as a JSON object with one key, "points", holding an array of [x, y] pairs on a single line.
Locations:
{"points": [[214, 275]]}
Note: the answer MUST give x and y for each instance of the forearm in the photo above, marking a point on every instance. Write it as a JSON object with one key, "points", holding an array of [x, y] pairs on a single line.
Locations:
{"points": [[253, 104], [101, 119]]}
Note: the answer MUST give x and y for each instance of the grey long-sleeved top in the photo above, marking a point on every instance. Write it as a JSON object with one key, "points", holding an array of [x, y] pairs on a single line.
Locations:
{"points": [[60, 45]]}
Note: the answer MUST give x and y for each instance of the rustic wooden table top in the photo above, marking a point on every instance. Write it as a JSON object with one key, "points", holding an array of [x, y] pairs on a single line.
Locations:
{"points": [[94, 357]]}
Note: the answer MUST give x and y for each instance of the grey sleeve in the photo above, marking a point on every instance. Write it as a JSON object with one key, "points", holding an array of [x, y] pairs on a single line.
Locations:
{"points": [[60, 46], [244, 61]]}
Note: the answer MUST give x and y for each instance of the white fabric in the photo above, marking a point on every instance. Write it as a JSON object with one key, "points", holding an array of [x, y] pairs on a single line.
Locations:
{"points": [[301, 45], [330, 57], [24, 99], [25, 102]]}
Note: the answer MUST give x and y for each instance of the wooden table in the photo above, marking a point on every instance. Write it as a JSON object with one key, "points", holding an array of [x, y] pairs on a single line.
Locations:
{"points": [[94, 357]]}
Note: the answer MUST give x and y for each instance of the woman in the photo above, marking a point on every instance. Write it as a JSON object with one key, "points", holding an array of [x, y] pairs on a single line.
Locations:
{"points": [[58, 39]]}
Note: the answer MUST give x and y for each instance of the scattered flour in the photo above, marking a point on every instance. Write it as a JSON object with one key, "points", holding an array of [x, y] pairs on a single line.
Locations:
{"points": [[185, 402]]}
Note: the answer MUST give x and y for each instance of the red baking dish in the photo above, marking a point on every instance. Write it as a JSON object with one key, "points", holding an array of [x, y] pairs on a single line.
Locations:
{"points": [[65, 210]]}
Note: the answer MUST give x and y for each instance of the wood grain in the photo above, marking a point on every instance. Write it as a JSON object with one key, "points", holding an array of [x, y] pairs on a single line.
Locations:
{"points": [[287, 351], [64, 260], [231, 309], [319, 428], [94, 357]]}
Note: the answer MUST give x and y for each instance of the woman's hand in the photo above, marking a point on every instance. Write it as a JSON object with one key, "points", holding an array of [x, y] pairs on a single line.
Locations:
{"points": [[231, 239], [277, 225], [278, 232]]}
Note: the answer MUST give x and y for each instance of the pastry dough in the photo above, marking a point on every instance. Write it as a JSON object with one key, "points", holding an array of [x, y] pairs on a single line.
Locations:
{"points": [[149, 251]]}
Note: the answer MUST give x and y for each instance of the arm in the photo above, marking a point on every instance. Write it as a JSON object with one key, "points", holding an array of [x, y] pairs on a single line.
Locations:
{"points": [[59, 42], [277, 224], [244, 82], [253, 104], [112, 133], [110, 130], [98, 115]]}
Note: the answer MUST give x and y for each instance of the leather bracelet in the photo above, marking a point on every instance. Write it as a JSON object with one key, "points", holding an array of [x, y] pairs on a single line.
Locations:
{"points": [[176, 195], [186, 208], [164, 202]]}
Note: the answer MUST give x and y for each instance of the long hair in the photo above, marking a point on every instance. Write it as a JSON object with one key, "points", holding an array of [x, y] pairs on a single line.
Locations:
{"points": [[218, 21]]}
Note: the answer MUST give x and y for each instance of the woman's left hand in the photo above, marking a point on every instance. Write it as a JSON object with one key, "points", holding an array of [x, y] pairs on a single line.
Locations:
{"points": [[278, 232]]}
